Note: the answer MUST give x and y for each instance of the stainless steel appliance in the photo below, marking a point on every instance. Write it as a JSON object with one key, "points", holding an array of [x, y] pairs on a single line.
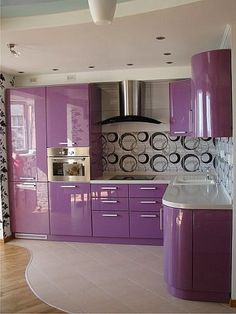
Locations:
{"points": [[68, 164]]}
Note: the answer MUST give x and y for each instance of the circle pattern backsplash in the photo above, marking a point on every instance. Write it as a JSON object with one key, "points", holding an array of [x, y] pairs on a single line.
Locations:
{"points": [[157, 151]]}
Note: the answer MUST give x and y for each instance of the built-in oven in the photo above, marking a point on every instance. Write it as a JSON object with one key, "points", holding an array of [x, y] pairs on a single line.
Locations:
{"points": [[68, 164]]}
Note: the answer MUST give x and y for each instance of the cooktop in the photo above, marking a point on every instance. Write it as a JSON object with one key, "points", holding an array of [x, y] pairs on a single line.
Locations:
{"points": [[132, 177]]}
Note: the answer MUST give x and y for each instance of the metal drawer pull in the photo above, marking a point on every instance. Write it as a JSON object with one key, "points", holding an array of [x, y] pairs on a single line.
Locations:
{"points": [[109, 188], [148, 188], [27, 184], [113, 202], [68, 186], [27, 178], [67, 143], [149, 202], [110, 215], [161, 218], [148, 216], [180, 132]]}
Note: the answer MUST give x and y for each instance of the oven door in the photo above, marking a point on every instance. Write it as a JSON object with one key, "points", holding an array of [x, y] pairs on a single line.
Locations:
{"points": [[69, 169]]}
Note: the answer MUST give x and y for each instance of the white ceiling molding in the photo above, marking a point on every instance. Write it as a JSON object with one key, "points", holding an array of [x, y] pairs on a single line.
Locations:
{"points": [[83, 16]]}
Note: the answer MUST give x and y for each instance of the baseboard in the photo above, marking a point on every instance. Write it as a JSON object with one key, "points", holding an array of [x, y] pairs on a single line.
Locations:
{"points": [[232, 303], [7, 239]]}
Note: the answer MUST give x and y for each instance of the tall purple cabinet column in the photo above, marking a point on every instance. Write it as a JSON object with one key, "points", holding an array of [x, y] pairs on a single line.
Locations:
{"points": [[211, 91]]}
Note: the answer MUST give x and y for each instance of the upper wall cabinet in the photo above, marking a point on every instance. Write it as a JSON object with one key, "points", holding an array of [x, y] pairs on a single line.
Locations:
{"points": [[211, 93], [27, 134], [180, 107], [68, 115]]}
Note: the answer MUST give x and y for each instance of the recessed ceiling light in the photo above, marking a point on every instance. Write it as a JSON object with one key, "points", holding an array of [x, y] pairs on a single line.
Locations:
{"points": [[160, 37], [91, 66], [169, 62], [55, 69], [130, 64], [167, 53], [21, 72]]}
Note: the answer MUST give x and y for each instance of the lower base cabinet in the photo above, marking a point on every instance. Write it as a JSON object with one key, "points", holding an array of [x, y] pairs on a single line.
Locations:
{"points": [[29, 207], [70, 209], [145, 225], [197, 253], [111, 224]]}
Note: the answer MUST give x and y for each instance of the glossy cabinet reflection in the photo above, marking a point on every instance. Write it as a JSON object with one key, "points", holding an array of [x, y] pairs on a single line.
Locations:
{"points": [[29, 207], [70, 209], [68, 115], [27, 134]]}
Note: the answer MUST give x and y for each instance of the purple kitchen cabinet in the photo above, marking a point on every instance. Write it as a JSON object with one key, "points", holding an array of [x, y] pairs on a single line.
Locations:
{"points": [[212, 232], [181, 114], [212, 93], [145, 204], [145, 225], [197, 253], [70, 209], [110, 204], [147, 190], [110, 224], [26, 113], [68, 115], [109, 190], [29, 207], [178, 248]]}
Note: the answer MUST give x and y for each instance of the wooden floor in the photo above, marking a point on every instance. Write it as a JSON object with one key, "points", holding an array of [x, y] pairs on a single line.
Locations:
{"points": [[15, 295]]}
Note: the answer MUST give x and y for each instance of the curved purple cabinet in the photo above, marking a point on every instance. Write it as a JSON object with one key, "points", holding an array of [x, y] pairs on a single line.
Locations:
{"points": [[211, 93], [27, 134]]}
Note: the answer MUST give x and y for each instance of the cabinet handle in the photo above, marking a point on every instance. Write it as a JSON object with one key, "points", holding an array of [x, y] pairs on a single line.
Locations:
{"points": [[190, 120], [180, 132], [27, 178], [24, 185], [109, 188], [148, 216], [161, 218], [110, 215], [149, 202], [148, 188], [67, 143], [113, 202], [28, 184], [69, 186]]}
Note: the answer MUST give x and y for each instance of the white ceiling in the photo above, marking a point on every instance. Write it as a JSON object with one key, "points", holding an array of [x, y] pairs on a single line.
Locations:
{"points": [[72, 47]]}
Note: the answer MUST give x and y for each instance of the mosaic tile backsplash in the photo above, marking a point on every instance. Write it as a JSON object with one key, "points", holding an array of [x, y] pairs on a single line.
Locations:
{"points": [[157, 151]]}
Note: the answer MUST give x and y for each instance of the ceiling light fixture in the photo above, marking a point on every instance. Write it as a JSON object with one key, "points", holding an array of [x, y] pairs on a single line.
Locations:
{"points": [[102, 11], [13, 51]]}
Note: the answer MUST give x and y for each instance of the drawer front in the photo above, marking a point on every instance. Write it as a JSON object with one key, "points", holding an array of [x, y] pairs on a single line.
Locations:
{"points": [[145, 204], [145, 225], [109, 190], [110, 224], [110, 204], [147, 190]]}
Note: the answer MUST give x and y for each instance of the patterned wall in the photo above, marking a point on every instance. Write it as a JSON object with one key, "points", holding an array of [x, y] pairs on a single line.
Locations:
{"points": [[5, 81], [224, 162], [156, 151]]}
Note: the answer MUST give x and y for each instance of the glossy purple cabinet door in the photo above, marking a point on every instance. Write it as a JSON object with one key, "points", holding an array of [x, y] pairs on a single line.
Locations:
{"points": [[212, 232], [70, 209], [110, 204], [145, 225], [212, 93], [147, 190], [27, 134], [181, 122], [109, 190], [110, 224], [178, 248], [145, 204], [29, 207], [68, 115]]}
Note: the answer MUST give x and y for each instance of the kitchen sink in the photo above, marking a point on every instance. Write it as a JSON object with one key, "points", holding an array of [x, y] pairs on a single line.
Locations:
{"points": [[194, 180]]}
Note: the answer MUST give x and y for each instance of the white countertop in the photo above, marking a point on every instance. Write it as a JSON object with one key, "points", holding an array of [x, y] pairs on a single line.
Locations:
{"points": [[211, 196]]}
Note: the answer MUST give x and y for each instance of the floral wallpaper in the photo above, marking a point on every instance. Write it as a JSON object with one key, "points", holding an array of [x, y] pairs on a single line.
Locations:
{"points": [[156, 151], [224, 162], [5, 81]]}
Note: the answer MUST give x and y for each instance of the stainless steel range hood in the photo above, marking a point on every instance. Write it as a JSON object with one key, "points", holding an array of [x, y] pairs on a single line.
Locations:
{"points": [[131, 94]]}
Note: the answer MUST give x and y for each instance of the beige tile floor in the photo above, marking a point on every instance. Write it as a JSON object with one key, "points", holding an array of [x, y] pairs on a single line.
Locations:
{"points": [[105, 278]]}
